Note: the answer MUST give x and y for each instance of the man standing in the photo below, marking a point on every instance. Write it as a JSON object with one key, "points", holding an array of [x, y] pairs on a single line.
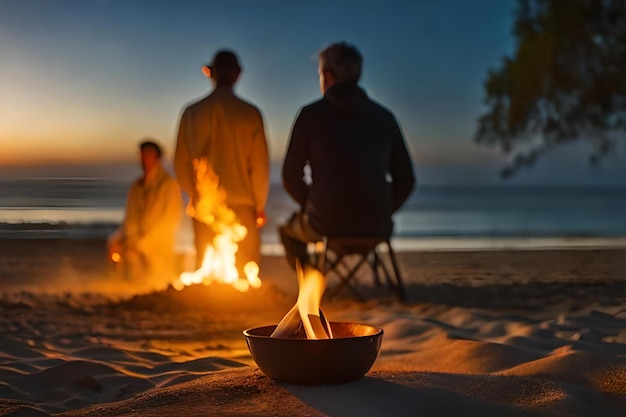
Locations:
{"points": [[229, 133], [358, 169], [145, 240]]}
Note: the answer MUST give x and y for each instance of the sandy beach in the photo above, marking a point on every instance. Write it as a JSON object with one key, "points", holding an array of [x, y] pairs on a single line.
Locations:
{"points": [[490, 333]]}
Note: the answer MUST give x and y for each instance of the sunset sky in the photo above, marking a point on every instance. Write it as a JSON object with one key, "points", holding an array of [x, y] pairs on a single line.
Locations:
{"points": [[83, 81]]}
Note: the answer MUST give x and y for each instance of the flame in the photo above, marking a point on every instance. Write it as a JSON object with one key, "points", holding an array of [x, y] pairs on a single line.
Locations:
{"points": [[116, 257], [306, 312], [309, 299], [218, 263]]}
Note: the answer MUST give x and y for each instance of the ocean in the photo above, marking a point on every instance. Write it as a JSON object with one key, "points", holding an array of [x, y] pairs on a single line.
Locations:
{"points": [[85, 207]]}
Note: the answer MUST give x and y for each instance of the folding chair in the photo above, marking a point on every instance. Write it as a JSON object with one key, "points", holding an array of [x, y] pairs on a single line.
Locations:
{"points": [[332, 254]]}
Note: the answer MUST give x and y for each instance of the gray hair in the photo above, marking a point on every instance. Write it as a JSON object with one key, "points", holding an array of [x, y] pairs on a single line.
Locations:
{"points": [[343, 60]]}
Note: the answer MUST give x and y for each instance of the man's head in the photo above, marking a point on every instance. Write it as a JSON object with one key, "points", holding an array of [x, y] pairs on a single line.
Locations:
{"points": [[150, 156], [224, 69], [339, 63]]}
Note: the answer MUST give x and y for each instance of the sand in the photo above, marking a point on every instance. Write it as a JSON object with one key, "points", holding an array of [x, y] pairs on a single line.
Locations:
{"points": [[489, 333]]}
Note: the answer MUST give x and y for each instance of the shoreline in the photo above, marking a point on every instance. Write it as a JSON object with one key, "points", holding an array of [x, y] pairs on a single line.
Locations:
{"points": [[73, 263], [272, 247], [461, 243]]}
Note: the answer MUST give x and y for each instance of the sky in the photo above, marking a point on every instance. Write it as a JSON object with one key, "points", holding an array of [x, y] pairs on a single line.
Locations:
{"points": [[82, 82]]}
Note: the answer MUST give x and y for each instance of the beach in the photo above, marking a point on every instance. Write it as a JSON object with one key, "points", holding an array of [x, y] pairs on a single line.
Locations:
{"points": [[483, 332]]}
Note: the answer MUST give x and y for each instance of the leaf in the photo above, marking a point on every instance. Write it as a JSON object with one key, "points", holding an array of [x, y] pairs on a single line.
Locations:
{"points": [[564, 82]]}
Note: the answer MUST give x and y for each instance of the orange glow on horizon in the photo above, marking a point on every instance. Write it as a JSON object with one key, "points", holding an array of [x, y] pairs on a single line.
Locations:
{"points": [[12, 159], [25, 151]]}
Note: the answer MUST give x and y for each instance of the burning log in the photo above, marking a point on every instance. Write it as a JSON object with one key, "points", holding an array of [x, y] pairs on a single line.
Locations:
{"points": [[306, 349], [305, 320]]}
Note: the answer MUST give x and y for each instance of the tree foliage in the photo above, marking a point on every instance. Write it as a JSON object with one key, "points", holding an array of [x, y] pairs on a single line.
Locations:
{"points": [[565, 82]]}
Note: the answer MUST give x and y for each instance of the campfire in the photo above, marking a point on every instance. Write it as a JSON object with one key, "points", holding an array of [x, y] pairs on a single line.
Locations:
{"points": [[305, 319], [218, 263], [306, 349]]}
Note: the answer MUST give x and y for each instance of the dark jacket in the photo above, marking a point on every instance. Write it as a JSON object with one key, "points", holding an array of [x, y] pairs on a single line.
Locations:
{"points": [[361, 169]]}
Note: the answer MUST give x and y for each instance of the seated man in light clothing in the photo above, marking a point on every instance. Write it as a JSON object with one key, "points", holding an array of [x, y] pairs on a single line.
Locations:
{"points": [[144, 243]]}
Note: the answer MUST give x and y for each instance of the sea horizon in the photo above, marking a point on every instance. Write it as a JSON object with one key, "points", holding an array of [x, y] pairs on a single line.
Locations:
{"points": [[435, 216]]}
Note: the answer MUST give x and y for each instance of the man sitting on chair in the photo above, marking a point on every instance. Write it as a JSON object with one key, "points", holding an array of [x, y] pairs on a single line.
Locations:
{"points": [[347, 163]]}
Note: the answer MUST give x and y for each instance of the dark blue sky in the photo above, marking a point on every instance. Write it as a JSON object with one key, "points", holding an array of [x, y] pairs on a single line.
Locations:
{"points": [[83, 81]]}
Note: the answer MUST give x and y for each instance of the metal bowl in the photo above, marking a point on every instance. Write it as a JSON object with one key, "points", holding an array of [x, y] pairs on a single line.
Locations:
{"points": [[346, 357]]}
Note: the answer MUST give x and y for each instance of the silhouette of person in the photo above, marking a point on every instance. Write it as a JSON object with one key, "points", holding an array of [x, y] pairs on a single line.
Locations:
{"points": [[145, 239], [229, 133], [347, 163]]}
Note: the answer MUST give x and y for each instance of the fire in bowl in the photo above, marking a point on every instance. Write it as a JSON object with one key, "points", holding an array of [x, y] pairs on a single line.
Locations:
{"points": [[346, 357]]}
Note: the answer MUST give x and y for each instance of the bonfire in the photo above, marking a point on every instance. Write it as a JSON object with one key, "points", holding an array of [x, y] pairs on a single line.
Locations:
{"points": [[218, 263]]}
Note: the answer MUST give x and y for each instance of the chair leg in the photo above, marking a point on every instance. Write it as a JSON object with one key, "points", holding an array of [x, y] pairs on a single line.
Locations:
{"points": [[374, 263], [396, 270], [345, 281], [331, 263], [335, 263], [380, 264]]}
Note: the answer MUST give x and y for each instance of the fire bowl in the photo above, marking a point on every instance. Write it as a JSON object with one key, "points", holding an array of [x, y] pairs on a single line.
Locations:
{"points": [[345, 358]]}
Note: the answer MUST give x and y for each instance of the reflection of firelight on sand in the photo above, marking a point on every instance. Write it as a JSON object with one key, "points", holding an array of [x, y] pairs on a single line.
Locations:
{"points": [[218, 263]]}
